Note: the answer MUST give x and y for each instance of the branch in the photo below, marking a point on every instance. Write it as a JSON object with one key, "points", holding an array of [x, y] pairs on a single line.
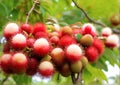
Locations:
{"points": [[93, 21], [28, 15], [88, 17]]}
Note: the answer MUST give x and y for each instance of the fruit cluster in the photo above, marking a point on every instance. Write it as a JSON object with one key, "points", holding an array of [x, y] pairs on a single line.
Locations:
{"points": [[34, 49]]}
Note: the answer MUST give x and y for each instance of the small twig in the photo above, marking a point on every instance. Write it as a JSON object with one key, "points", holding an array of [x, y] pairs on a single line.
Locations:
{"points": [[88, 17], [28, 15], [3, 81]]}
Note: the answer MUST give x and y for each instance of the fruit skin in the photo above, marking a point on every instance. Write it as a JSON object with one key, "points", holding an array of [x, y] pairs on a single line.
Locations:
{"points": [[19, 63], [54, 39], [112, 41], [30, 42], [66, 30], [76, 67], [46, 69], [7, 30], [58, 56], [65, 70], [115, 19], [41, 35], [32, 66], [89, 29], [39, 27], [84, 61], [27, 28], [92, 54], [77, 31], [19, 41], [73, 53], [6, 48], [6, 63], [86, 40], [66, 40], [41, 47], [106, 31], [99, 45]]}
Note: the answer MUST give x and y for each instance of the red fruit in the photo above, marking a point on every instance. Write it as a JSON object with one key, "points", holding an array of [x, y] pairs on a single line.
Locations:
{"points": [[41, 47], [66, 40], [27, 28], [41, 35], [106, 31], [6, 48], [39, 27], [92, 54], [46, 68], [58, 56], [32, 66], [112, 41], [6, 63], [55, 34], [99, 45], [19, 41], [88, 29], [19, 63], [73, 53], [10, 30], [54, 39], [77, 31], [30, 42]]}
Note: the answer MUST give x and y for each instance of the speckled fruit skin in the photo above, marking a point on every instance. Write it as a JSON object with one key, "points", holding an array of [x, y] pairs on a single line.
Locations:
{"points": [[91, 54], [19, 63], [46, 69]]}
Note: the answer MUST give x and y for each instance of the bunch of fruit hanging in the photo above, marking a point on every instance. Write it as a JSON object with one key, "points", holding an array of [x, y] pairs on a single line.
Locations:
{"points": [[31, 49]]}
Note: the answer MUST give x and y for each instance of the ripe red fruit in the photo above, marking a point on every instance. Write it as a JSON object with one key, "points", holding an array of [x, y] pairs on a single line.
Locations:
{"points": [[30, 42], [99, 45], [39, 27], [106, 31], [19, 41], [27, 28], [73, 53], [66, 40], [88, 29], [55, 34], [41, 47], [112, 41], [77, 31], [32, 66], [58, 56], [54, 39], [41, 35], [6, 48], [6, 63], [10, 30], [46, 69], [92, 54], [19, 63]]}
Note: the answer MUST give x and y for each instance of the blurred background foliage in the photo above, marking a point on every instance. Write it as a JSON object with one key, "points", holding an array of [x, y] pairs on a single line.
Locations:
{"points": [[65, 12]]}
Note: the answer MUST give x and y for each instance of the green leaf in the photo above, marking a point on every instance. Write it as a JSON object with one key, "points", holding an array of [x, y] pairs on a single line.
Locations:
{"points": [[94, 73], [14, 14], [78, 37], [22, 79]]}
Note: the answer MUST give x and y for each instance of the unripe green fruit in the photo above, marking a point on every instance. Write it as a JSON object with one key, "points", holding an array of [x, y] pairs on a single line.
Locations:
{"points": [[76, 67], [84, 61], [46, 58], [86, 40], [65, 70]]}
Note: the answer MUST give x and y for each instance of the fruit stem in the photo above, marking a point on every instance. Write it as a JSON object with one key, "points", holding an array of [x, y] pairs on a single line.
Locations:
{"points": [[77, 79], [32, 8]]}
